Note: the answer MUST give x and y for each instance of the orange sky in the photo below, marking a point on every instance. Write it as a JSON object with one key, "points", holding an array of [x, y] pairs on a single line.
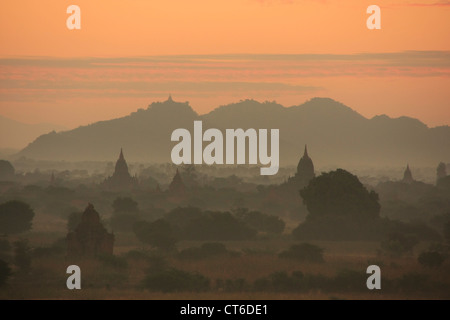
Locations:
{"points": [[142, 28]]}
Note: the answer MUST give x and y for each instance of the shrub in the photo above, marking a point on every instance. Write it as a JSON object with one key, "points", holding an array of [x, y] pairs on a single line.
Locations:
{"points": [[349, 280], [123, 222], [304, 252], [260, 221], [5, 246], [277, 281], [73, 220], [345, 280], [158, 233], [174, 280], [398, 244], [22, 254], [157, 263], [296, 282], [5, 272], [431, 259], [412, 282], [334, 227], [125, 215], [194, 224], [447, 231], [137, 255], [232, 285], [113, 261], [125, 205], [56, 249], [207, 250]]}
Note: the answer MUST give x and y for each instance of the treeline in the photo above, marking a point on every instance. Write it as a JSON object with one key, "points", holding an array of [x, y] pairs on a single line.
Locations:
{"points": [[192, 223]]}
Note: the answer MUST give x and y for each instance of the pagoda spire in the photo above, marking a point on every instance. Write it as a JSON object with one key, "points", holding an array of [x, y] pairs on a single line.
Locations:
{"points": [[305, 169], [177, 186], [407, 175]]}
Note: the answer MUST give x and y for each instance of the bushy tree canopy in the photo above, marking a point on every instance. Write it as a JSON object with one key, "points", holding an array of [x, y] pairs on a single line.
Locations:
{"points": [[158, 233], [125, 205], [303, 252], [15, 217], [193, 224], [340, 193], [126, 213], [447, 231], [73, 220], [260, 221], [6, 170], [5, 272]]}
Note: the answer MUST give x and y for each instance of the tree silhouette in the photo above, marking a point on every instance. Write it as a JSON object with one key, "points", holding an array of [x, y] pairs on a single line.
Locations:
{"points": [[126, 213], [6, 170], [431, 259], [340, 193], [260, 221], [15, 217], [5, 272], [22, 254], [441, 171], [73, 220], [303, 252], [447, 231], [158, 234], [125, 205]]}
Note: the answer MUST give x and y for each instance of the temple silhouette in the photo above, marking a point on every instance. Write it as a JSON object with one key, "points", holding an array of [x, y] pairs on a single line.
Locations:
{"points": [[177, 189], [90, 238], [121, 178], [407, 175], [441, 172], [305, 172]]}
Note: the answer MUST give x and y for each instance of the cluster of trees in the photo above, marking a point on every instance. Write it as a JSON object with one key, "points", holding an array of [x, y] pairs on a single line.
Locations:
{"points": [[341, 208], [414, 201], [303, 252], [190, 223], [125, 214], [206, 250], [15, 217]]}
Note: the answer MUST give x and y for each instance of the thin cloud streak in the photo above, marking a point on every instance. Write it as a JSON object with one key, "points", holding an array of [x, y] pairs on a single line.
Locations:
{"points": [[91, 89], [436, 4]]}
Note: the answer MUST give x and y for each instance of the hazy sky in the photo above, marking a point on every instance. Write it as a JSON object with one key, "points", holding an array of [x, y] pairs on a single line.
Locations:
{"points": [[131, 53]]}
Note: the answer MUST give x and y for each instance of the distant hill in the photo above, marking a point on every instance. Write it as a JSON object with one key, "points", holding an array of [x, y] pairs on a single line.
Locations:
{"points": [[335, 134], [16, 135]]}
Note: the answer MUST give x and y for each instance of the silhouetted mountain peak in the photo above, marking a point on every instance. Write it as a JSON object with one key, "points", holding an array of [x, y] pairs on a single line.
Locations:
{"points": [[381, 118], [248, 105], [326, 111], [325, 105], [400, 122], [169, 106], [245, 113]]}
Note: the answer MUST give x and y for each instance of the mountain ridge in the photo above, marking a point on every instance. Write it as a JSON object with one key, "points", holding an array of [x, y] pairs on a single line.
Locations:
{"points": [[335, 134]]}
